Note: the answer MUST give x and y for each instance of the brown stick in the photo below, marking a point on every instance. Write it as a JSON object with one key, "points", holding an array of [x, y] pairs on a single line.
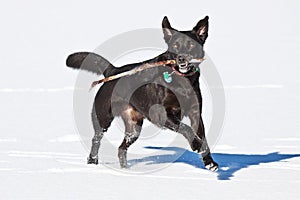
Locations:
{"points": [[138, 69]]}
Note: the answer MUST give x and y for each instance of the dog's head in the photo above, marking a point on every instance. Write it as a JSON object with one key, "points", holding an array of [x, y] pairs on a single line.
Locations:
{"points": [[184, 46]]}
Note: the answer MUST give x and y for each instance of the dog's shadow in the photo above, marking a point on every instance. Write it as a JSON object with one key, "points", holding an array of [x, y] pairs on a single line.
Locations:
{"points": [[228, 163]]}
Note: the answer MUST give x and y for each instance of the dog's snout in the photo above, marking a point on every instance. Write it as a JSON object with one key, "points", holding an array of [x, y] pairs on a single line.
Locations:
{"points": [[183, 58]]}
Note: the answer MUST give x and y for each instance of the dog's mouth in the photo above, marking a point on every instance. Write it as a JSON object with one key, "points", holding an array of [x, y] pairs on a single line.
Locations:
{"points": [[187, 66], [184, 67], [186, 63]]}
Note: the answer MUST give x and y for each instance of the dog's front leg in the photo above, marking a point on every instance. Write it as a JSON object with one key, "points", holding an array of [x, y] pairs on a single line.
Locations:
{"points": [[198, 128], [177, 126]]}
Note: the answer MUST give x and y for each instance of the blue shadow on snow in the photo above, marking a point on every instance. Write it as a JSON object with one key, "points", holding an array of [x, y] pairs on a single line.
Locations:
{"points": [[228, 163]]}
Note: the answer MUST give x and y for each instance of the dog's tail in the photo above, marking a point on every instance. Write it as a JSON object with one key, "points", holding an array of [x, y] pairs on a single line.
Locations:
{"points": [[90, 62]]}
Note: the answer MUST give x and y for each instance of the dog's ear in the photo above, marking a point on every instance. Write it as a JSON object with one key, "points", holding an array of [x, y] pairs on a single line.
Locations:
{"points": [[201, 29], [167, 29]]}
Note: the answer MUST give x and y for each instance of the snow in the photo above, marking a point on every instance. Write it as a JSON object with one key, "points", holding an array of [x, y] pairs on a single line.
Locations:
{"points": [[255, 46]]}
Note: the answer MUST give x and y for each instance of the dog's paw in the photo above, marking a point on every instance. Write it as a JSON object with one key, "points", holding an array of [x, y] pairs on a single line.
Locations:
{"points": [[124, 166], [212, 166], [91, 160]]}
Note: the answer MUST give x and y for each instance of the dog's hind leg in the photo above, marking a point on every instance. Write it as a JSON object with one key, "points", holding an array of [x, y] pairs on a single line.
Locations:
{"points": [[133, 121], [100, 129]]}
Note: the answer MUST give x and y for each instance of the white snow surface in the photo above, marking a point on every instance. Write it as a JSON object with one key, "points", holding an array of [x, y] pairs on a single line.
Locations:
{"points": [[255, 46]]}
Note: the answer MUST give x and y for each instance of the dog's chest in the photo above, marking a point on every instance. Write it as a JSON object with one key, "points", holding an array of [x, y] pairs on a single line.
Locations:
{"points": [[177, 96]]}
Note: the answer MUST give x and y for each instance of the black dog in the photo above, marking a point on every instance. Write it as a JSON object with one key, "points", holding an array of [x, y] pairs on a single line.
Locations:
{"points": [[163, 95]]}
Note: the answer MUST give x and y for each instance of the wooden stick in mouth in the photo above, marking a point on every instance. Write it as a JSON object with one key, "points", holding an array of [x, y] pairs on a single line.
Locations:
{"points": [[140, 68]]}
